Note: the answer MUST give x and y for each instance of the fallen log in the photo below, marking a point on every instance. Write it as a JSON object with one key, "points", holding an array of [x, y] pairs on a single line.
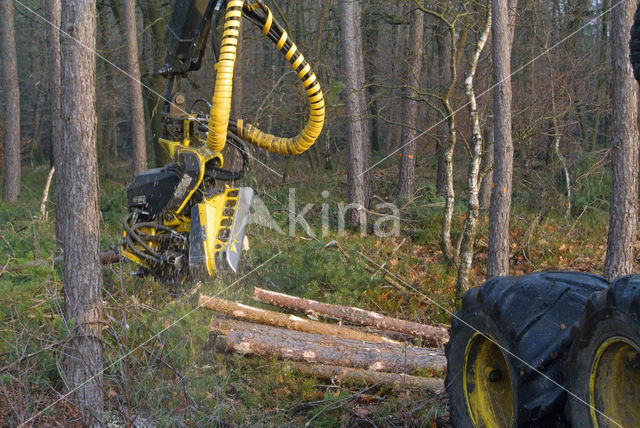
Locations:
{"points": [[367, 377], [434, 336], [291, 322], [266, 341]]}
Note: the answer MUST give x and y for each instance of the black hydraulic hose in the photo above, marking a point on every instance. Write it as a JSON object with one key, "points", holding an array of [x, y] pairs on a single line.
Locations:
{"points": [[227, 175], [131, 233]]}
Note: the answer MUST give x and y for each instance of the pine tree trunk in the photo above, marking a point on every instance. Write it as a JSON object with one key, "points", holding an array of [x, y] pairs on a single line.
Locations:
{"points": [[256, 339], [357, 134], [153, 18], [602, 77], [432, 335], [623, 211], [444, 65], [406, 176], [11, 188], [139, 158], [77, 167], [486, 168], [503, 12], [52, 36]]}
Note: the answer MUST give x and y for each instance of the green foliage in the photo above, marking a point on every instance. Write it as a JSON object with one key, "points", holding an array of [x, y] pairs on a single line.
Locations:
{"points": [[162, 365]]}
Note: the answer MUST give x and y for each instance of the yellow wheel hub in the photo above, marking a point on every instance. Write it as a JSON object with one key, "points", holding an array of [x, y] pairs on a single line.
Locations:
{"points": [[487, 384], [614, 384]]}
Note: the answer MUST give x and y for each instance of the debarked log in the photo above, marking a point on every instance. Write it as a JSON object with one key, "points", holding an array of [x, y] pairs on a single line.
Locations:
{"points": [[266, 341], [434, 336], [353, 376], [291, 322]]}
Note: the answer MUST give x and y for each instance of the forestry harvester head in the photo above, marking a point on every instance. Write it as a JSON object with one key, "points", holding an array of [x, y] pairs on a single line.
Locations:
{"points": [[185, 220]]}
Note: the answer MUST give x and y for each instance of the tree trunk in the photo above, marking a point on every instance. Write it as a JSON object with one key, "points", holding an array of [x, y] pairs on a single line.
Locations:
{"points": [[357, 134], [623, 211], [473, 205], [255, 339], [77, 167], [11, 188], [602, 76], [138, 142], [291, 322], [52, 36], [486, 169], [153, 18], [406, 176], [432, 335], [503, 12], [444, 65], [352, 376]]}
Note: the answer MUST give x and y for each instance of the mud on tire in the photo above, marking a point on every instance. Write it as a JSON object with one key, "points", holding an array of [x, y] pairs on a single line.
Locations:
{"points": [[604, 361], [508, 332]]}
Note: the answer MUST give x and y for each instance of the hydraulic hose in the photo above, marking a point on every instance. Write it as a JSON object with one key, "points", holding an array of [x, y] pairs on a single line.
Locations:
{"points": [[221, 103], [258, 13]]}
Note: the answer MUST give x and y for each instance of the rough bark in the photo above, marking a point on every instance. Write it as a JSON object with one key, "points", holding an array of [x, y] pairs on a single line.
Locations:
{"points": [[503, 12], [406, 176], [623, 211], [154, 18], [11, 182], [52, 36], [444, 67], [357, 133], [138, 143], [353, 376], [291, 322], [473, 204], [602, 76], [486, 168], [255, 339], [77, 167], [432, 335]]}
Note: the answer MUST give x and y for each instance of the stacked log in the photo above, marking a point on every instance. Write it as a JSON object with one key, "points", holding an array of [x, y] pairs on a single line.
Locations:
{"points": [[433, 336], [327, 350]]}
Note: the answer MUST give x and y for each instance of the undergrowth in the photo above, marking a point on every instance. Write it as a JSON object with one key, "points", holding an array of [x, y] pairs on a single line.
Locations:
{"points": [[160, 364]]}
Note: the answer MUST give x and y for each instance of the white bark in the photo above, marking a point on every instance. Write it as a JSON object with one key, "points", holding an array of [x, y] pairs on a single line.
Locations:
{"points": [[473, 206]]}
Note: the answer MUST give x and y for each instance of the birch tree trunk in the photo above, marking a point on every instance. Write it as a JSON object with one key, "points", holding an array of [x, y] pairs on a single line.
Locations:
{"points": [[138, 143], [623, 210], [78, 171], [406, 176], [447, 113], [473, 205], [11, 188], [357, 134], [52, 37], [503, 12]]}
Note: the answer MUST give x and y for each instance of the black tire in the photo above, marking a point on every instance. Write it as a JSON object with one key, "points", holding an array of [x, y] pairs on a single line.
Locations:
{"points": [[604, 361], [507, 348]]}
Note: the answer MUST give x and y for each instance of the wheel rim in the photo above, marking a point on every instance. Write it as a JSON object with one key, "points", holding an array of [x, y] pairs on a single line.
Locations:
{"points": [[487, 383], [614, 384]]}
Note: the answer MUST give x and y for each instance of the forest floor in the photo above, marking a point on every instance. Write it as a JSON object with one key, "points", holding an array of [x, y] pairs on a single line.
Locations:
{"points": [[158, 367]]}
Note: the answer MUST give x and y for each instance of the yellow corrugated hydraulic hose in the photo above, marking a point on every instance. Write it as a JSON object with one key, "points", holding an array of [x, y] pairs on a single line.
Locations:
{"points": [[311, 131], [221, 104]]}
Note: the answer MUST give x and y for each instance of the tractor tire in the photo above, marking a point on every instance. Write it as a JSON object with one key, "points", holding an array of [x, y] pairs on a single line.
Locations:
{"points": [[507, 348], [604, 360]]}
